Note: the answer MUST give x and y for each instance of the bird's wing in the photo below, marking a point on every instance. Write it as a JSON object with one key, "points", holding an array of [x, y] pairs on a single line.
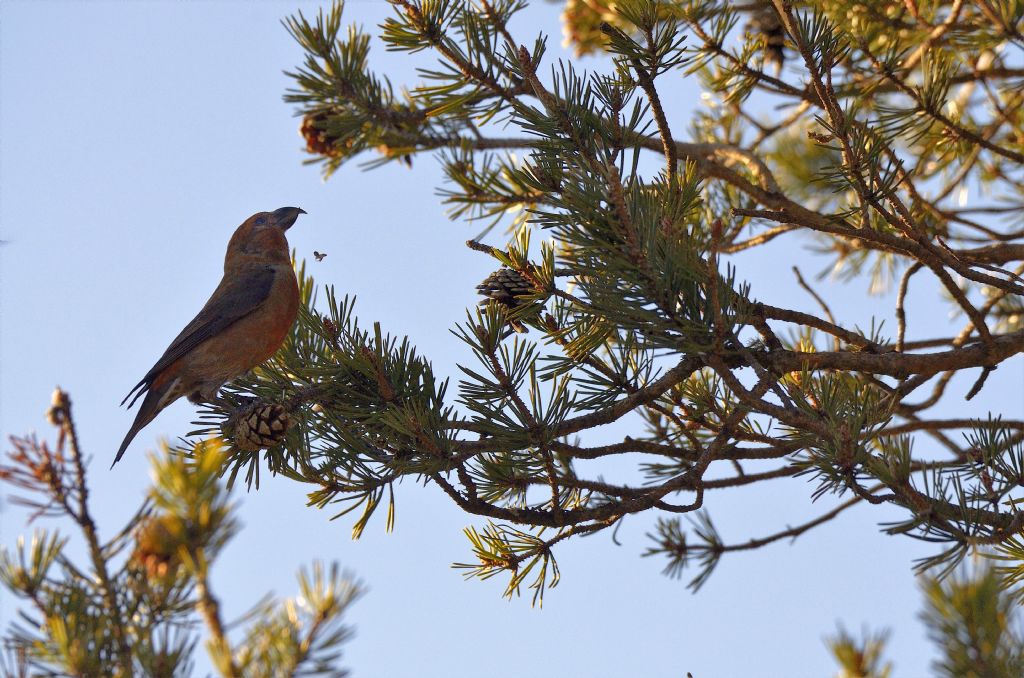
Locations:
{"points": [[235, 297]]}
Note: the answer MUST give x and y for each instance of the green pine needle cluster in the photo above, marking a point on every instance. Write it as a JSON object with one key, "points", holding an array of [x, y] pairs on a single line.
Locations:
{"points": [[131, 607]]}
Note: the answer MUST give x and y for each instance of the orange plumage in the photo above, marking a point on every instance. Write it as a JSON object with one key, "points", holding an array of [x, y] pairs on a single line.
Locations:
{"points": [[243, 323]]}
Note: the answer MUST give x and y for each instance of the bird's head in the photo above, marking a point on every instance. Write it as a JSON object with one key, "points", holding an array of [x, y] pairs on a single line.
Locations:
{"points": [[261, 239]]}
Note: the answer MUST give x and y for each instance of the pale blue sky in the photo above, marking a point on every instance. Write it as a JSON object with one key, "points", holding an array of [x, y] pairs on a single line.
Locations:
{"points": [[135, 138]]}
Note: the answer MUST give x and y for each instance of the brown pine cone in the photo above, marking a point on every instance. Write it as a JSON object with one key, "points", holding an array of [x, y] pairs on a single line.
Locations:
{"points": [[318, 141], [264, 426], [504, 285], [581, 24], [156, 548], [765, 21]]}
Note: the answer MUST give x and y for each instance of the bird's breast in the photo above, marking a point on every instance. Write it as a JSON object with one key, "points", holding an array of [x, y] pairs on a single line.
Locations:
{"points": [[266, 328]]}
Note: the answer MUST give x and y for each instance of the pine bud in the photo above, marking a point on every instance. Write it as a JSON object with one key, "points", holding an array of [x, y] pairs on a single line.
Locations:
{"points": [[59, 405]]}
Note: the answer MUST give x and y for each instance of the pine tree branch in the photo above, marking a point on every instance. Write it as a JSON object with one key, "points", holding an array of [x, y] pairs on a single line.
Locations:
{"points": [[668, 144], [901, 365], [951, 423], [209, 610], [791, 532], [775, 451], [80, 513]]}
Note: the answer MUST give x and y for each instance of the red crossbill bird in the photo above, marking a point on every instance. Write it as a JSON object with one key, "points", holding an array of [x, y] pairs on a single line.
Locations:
{"points": [[244, 322]]}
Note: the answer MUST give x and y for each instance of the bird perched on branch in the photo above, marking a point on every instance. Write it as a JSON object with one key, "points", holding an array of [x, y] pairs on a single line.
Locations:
{"points": [[244, 322]]}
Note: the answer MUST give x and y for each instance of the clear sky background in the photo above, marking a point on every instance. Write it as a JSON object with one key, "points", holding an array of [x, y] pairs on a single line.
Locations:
{"points": [[134, 137]]}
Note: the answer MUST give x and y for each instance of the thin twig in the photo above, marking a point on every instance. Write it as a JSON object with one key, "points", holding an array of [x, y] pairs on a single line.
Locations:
{"points": [[901, 315], [209, 609], [84, 519], [821, 302]]}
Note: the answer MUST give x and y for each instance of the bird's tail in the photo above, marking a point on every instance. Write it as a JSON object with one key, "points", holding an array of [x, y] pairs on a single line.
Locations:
{"points": [[159, 395]]}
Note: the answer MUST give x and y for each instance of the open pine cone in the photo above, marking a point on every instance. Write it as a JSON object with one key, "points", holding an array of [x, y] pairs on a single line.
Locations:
{"points": [[156, 547], [318, 141], [765, 21], [264, 426], [504, 285]]}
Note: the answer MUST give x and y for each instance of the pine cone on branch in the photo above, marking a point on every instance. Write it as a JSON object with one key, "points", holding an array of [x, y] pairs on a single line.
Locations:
{"points": [[318, 141], [263, 426], [581, 24], [765, 22], [156, 547], [504, 285]]}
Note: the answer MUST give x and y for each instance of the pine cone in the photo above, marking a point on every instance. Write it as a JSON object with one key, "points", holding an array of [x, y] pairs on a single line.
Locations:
{"points": [[264, 426], [156, 548], [504, 285], [766, 22], [318, 141], [581, 24]]}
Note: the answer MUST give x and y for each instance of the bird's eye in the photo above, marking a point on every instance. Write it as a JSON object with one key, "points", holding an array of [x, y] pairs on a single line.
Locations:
{"points": [[260, 221]]}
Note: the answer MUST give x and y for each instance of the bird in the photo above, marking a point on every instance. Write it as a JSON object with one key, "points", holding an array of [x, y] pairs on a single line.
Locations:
{"points": [[243, 323]]}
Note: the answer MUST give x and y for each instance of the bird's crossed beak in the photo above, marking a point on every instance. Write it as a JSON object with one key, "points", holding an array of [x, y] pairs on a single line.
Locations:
{"points": [[286, 216]]}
